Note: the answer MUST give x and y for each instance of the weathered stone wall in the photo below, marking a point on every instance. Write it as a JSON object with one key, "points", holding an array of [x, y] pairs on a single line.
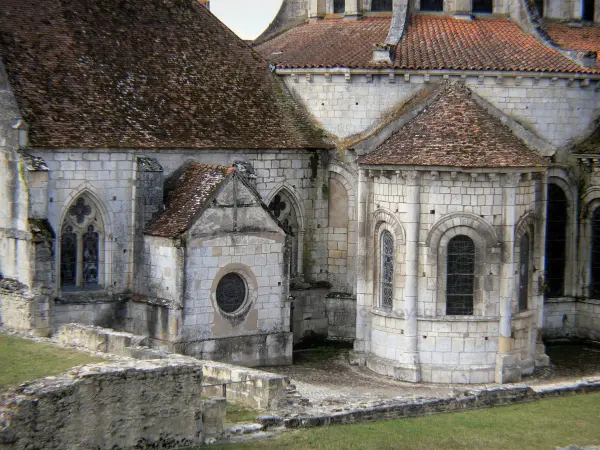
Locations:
{"points": [[125, 405], [555, 109], [567, 318]]}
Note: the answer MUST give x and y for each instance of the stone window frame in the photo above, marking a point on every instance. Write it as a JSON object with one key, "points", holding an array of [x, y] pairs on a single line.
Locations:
{"points": [[485, 239], [246, 273], [526, 226], [591, 202], [559, 177], [384, 220], [102, 226]]}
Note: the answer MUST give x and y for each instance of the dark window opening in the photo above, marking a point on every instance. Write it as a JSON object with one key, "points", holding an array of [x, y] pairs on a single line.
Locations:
{"points": [[524, 272], [460, 276], [588, 10], [339, 6], [387, 269], [381, 5], [432, 5], [556, 241], [282, 208], [90, 257], [539, 6], [483, 6], [231, 292], [68, 257], [595, 275]]}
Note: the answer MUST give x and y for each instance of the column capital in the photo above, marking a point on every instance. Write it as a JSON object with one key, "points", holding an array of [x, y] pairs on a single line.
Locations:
{"points": [[511, 179], [412, 177]]}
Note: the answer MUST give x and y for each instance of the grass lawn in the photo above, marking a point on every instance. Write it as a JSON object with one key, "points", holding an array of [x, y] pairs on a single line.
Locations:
{"points": [[546, 424], [24, 360], [237, 413]]}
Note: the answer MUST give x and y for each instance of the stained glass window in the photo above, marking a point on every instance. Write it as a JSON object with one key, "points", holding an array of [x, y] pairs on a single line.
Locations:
{"points": [[381, 5], [556, 241], [231, 292], [68, 257], [460, 277], [523, 272], [595, 275], [432, 5], [483, 6], [339, 6], [387, 269], [90, 256]]}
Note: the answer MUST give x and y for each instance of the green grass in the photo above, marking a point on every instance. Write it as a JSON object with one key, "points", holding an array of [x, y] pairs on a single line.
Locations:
{"points": [[24, 360], [545, 424], [237, 413]]}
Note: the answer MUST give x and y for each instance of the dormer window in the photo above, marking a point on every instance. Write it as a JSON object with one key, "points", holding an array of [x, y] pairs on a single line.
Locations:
{"points": [[339, 6], [588, 10], [432, 5], [381, 5], [483, 6]]}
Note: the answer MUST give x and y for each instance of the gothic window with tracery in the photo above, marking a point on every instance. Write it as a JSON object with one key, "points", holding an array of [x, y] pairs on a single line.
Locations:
{"points": [[387, 270], [524, 259], [80, 246], [339, 6], [556, 241], [460, 276], [595, 269], [432, 5], [283, 209], [483, 6], [381, 5]]}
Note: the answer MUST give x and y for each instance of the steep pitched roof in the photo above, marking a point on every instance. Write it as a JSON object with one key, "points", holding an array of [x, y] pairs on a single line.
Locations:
{"points": [[143, 74], [193, 186], [585, 38], [430, 42], [454, 130]]}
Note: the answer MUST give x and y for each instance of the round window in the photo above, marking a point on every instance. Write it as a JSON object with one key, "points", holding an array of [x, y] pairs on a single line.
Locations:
{"points": [[231, 293]]}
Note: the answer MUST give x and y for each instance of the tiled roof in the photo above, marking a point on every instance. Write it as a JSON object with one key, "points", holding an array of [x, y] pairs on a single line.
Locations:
{"points": [[193, 185], [430, 42], [143, 74], [454, 130], [586, 37]]}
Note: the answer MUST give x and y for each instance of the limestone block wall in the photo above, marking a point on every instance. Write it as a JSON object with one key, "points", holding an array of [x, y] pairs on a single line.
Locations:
{"points": [[107, 178], [159, 322], [556, 109], [588, 319], [300, 173], [567, 318], [139, 404]]}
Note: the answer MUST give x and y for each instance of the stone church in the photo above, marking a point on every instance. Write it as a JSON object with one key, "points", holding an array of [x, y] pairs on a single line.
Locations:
{"points": [[418, 177]]}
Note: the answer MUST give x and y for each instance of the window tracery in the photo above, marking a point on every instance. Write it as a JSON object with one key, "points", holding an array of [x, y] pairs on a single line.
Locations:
{"points": [[387, 270], [282, 208], [81, 242]]}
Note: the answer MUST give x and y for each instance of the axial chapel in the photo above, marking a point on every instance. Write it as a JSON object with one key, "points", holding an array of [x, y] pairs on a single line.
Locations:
{"points": [[418, 177]]}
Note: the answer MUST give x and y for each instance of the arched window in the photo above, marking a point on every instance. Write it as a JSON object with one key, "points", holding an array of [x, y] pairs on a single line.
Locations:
{"points": [[556, 241], [432, 5], [588, 10], [483, 6], [595, 272], [524, 259], [386, 271], [283, 209], [381, 5], [80, 246], [460, 276], [339, 6]]}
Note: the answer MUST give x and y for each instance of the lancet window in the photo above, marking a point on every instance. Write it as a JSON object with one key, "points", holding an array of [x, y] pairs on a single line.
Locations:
{"points": [[283, 209], [556, 241], [460, 276], [386, 272], [524, 259]]}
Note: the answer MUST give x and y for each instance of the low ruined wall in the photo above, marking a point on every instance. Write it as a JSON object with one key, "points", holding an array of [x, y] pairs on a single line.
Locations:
{"points": [[319, 313], [254, 350], [567, 318], [23, 312], [247, 386], [149, 404], [90, 308]]}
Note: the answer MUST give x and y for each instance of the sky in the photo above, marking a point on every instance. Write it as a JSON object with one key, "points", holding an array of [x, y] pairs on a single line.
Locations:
{"points": [[247, 18]]}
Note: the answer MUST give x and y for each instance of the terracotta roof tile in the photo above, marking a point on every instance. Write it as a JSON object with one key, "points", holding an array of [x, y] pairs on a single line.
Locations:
{"points": [[454, 130], [143, 74], [586, 37], [430, 42], [193, 186]]}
